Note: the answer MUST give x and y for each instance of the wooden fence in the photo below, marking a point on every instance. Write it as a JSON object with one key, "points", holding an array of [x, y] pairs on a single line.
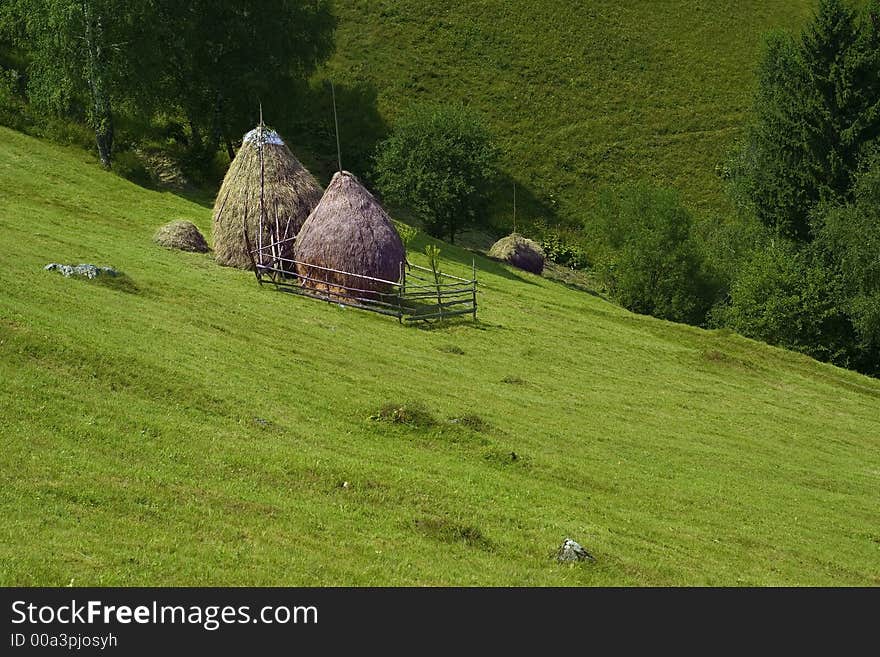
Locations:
{"points": [[417, 295]]}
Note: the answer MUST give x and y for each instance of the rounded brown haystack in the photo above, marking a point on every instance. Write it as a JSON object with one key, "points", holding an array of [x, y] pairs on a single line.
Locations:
{"points": [[290, 194], [183, 235], [348, 232], [520, 252]]}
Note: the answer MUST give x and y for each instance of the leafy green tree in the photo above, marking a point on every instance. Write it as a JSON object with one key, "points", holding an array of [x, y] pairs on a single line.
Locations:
{"points": [[439, 161], [816, 111], [652, 264], [91, 53], [213, 62], [222, 58], [785, 296], [849, 234]]}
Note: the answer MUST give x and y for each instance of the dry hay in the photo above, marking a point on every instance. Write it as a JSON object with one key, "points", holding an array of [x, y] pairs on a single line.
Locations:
{"points": [[520, 252], [183, 235], [290, 194], [350, 232]]}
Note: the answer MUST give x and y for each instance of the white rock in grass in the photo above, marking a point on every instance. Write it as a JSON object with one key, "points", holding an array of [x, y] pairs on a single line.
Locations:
{"points": [[82, 270], [571, 551]]}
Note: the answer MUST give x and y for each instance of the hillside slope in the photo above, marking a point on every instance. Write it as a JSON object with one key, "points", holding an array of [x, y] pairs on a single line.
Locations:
{"points": [[580, 94], [191, 428]]}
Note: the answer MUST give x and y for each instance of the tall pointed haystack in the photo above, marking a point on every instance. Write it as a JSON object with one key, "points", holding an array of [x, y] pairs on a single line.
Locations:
{"points": [[348, 232], [290, 194]]}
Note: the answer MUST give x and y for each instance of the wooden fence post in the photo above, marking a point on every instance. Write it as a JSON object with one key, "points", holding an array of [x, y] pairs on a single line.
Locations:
{"points": [[401, 291], [474, 285]]}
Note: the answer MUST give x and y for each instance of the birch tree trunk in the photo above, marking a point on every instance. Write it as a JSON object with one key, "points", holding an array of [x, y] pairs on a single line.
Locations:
{"points": [[101, 110]]}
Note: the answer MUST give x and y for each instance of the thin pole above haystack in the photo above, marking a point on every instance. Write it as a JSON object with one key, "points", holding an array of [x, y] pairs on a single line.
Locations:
{"points": [[336, 123], [262, 189], [514, 207]]}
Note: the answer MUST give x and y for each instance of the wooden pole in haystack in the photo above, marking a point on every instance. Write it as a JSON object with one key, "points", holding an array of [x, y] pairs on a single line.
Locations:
{"points": [[247, 244], [262, 185], [336, 123], [401, 290]]}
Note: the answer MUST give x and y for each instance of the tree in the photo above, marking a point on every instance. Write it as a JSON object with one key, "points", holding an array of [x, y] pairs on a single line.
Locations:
{"points": [[839, 55], [96, 53], [816, 110], [849, 235], [439, 161], [785, 296], [213, 62], [652, 264], [770, 173], [222, 58]]}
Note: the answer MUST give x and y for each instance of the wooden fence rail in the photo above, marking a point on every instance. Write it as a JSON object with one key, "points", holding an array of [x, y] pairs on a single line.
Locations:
{"points": [[411, 298]]}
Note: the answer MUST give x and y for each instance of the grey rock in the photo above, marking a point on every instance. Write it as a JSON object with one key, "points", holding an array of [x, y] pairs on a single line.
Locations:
{"points": [[571, 551], [81, 270]]}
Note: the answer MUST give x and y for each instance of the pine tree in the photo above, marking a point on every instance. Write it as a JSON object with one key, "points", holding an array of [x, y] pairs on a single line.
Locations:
{"points": [[817, 111], [774, 171], [829, 53]]}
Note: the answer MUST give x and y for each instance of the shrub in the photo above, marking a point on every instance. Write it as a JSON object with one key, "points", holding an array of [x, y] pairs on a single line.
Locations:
{"points": [[11, 103], [564, 247], [651, 264], [727, 242], [848, 235], [786, 297]]}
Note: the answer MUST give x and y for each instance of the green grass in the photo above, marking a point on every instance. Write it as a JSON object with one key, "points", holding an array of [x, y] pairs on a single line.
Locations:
{"points": [[190, 428], [580, 94]]}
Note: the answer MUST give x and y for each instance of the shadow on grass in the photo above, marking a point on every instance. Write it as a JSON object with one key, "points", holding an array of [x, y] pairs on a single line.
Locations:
{"points": [[453, 323], [119, 283]]}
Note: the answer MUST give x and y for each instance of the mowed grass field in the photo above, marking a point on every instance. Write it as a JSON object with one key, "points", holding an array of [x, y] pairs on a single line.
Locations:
{"points": [[189, 428], [579, 94]]}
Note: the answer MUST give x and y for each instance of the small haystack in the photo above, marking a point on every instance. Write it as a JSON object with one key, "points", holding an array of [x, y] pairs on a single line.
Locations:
{"points": [[183, 235], [290, 194], [520, 252], [349, 232]]}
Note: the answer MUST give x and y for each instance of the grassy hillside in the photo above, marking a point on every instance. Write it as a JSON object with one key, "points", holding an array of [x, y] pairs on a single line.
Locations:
{"points": [[580, 94], [187, 427]]}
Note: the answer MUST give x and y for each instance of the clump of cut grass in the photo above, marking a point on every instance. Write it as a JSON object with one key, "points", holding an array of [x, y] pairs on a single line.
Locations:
{"points": [[449, 531], [452, 349], [473, 422], [513, 380], [413, 414], [722, 358], [505, 458]]}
